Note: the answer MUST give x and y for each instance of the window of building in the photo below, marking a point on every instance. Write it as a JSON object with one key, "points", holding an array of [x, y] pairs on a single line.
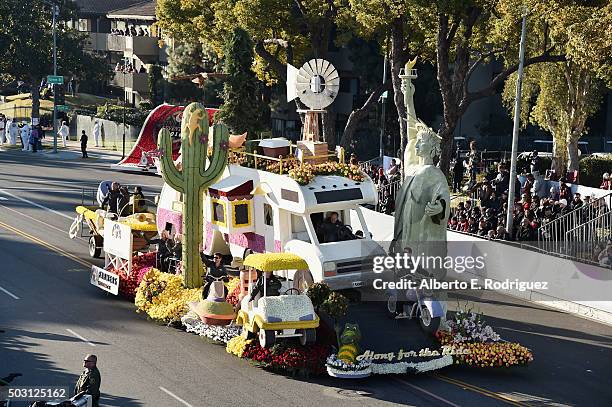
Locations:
{"points": [[241, 213], [268, 215], [218, 212]]}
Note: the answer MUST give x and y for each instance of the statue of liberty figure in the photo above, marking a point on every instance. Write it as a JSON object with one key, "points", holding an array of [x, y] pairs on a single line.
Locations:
{"points": [[423, 203]]}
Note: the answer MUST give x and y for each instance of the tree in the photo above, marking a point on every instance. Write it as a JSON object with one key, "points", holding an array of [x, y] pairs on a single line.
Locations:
{"points": [[26, 39], [560, 97], [564, 96], [243, 108], [191, 57], [286, 31], [156, 85]]}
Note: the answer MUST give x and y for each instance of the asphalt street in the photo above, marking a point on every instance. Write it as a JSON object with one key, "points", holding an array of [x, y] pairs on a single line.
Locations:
{"points": [[50, 317]]}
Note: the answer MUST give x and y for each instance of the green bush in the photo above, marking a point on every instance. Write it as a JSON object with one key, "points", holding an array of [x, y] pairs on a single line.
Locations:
{"points": [[115, 113], [592, 169]]}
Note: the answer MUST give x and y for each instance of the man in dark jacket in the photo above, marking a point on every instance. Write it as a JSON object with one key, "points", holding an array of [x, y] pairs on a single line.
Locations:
{"points": [[89, 381], [112, 198], [84, 139], [215, 269]]}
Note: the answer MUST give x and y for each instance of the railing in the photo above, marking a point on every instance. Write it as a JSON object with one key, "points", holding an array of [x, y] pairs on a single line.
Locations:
{"points": [[283, 162], [386, 196], [583, 239], [553, 236]]}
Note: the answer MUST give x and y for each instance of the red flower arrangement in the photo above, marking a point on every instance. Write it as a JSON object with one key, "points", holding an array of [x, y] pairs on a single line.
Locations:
{"points": [[140, 266], [232, 298], [289, 358]]}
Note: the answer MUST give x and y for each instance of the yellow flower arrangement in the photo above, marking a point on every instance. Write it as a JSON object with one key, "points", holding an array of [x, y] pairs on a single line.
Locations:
{"points": [[305, 173], [163, 297], [232, 284], [237, 345]]}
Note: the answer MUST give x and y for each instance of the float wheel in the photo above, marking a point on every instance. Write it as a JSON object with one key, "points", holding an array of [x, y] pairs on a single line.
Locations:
{"points": [[309, 336], [266, 338], [95, 246], [427, 322]]}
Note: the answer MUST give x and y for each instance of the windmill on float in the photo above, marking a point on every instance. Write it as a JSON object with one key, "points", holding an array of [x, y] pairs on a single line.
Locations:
{"points": [[316, 84]]}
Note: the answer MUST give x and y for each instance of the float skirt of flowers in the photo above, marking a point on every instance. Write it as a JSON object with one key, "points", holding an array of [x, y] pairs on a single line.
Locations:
{"points": [[163, 297], [342, 370], [217, 333]]}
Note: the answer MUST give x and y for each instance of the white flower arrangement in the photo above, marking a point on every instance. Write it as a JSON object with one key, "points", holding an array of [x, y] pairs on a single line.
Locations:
{"points": [[217, 333], [340, 369], [417, 367], [285, 308], [469, 326], [339, 364]]}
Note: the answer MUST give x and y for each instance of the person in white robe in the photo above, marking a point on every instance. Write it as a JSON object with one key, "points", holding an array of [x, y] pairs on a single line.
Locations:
{"points": [[63, 132], [96, 132], [25, 137], [12, 131]]}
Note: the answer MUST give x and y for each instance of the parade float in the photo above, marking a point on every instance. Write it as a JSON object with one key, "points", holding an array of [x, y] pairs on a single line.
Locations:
{"points": [[261, 203]]}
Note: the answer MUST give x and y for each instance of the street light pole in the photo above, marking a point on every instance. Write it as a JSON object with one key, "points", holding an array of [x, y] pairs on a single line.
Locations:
{"points": [[383, 100], [55, 11], [515, 129], [123, 149]]}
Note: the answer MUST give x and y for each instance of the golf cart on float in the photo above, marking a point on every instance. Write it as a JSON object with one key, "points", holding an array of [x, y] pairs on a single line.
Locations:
{"points": [[141, 221], [268, 317]]}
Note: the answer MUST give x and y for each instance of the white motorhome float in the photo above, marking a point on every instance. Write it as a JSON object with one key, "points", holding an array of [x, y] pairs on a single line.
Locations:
{"points": [[255, 211]]}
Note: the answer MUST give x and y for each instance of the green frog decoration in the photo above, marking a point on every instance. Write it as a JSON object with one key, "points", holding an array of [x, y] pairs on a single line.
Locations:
{"points": [[349, 343]]}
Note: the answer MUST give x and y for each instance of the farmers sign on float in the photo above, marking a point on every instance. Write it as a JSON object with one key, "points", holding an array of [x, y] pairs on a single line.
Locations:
{"points": [[105, 280]]}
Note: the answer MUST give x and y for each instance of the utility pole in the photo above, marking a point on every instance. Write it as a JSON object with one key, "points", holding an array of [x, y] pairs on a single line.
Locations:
{"points": [[124, 106], [515, 129], [55, 12], [383, 100]]}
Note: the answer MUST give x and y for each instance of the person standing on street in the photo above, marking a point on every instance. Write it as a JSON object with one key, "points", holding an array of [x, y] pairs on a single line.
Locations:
{"points": [[25, 136], [89, 381], [34, 139], [2, 127], [474, 162], [96, 132], [12, 132], [84, 139], [63, 132]]}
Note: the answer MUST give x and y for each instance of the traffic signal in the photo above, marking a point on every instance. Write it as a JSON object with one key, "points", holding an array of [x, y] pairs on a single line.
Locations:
{"points": [[59, 95]]}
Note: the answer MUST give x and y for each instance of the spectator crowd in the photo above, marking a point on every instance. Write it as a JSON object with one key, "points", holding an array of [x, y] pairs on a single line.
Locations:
{"points": [[132, 31]]}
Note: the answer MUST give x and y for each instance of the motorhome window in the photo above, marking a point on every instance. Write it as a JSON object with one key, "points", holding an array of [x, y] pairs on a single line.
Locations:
{"points": [[298, 229], [330, 227], [218, 210], [349, 194], [241, 214], [268, 215]]}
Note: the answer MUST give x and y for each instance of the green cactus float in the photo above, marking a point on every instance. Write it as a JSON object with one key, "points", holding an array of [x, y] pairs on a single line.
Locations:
{"points": [[193, 179]]}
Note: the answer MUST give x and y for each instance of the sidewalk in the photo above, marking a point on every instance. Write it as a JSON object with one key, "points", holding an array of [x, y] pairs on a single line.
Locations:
{"points": [[72, 151]]}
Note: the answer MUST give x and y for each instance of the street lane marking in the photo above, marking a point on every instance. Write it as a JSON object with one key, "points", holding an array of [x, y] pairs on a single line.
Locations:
{"points": [[10, 294], [32, 218], [437, 376], [430, 394], [480, 390], [168, 392], [80, 337], [45, 244], [2, 191]]}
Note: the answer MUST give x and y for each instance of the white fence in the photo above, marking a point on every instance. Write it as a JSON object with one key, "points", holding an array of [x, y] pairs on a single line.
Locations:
{"points": [[578, 288]]}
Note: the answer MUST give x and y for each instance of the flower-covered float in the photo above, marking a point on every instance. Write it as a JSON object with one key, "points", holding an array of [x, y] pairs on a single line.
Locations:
{"points": [[135, 215]]}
